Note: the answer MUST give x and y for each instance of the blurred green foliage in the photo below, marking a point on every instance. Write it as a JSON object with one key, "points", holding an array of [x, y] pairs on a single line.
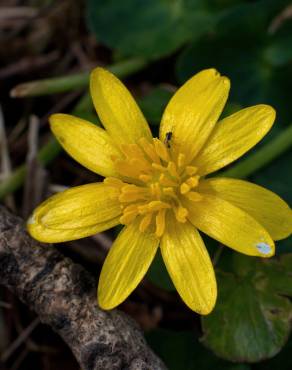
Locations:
{"points": [[251, 43], [181, 351], [153, 104]]}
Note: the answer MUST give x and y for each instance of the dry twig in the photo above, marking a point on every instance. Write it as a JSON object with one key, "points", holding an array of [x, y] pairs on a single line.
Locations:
{"points": [[5, 163], [63, 295], [34, 184], [19, 340]]}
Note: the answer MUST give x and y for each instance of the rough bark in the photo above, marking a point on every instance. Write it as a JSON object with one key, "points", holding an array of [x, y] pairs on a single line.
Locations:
{"points": [[63, 295]]}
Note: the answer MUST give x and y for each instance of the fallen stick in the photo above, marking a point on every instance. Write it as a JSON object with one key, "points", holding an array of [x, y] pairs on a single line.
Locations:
{"points": [[63, 295]]}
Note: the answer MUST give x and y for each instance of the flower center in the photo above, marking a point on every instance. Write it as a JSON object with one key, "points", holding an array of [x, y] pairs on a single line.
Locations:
{"points": [[155, 181]]}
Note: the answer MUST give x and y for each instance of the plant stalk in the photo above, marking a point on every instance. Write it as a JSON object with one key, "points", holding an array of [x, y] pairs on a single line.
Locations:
{"points": [[71, 82], [262, 157], [52, 148]]}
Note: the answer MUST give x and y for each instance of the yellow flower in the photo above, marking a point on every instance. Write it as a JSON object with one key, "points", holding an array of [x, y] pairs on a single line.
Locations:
{"points": [[157, 187]]}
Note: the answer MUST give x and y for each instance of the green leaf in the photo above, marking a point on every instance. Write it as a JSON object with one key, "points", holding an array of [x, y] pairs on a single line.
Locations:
{"points": [[249, 21], [279, 52], [242, 63], [238, 49], [278, 49], [153, 104], [283, 361], [182, 351], [158, 274], [251, 320], [150, 29]]}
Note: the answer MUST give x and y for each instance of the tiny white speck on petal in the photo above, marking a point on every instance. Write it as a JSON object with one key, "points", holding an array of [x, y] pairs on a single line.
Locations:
{"points": [[31, 220], [264, 248]]}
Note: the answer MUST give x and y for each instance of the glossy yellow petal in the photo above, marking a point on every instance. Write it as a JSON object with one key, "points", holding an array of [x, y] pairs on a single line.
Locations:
{"points": [[48, 235], [193, 112], [87, 143], [263, 205], [231, 226], [125, 266], [117, 109], [189, 265], [75, 213], [234, 136]]}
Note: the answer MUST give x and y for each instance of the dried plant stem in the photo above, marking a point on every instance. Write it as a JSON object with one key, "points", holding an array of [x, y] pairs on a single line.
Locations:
{"points": [[45, 156], [5, 162], [50, 150], [63, 295], [19, 340]]}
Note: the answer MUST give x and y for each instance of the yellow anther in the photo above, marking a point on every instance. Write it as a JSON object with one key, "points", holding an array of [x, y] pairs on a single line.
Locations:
{"points": [[130, 208], [170, 192], [146, 220], [145, 178], [141, 164], [128, 217], [161, 150], [172, 169], [149, 150], [194, 196], [165, 181], [181, 160], [184, 188], [132, 197], [153, 206], [193, 181], [133, 189], [155, 190], [158, 167], [131, 193], [156, 205], [143, 209], [191, 170], [181, 214], [160, 223]]}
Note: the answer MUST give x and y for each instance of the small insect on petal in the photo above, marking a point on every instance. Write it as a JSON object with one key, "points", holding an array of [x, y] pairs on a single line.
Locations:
{"points": [[264, 248], [167, 139]]}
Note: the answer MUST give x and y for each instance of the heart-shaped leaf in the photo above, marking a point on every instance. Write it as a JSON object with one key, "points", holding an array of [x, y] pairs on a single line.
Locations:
{"points": [[251, 320], [151, 28]]}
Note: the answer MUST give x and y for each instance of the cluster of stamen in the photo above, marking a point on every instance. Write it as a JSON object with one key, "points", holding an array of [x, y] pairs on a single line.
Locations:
{"points": [[153, 181]]}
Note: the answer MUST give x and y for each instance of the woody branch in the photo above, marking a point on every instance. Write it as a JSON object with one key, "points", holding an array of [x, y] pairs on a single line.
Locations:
{"points": [[63, 295]]}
